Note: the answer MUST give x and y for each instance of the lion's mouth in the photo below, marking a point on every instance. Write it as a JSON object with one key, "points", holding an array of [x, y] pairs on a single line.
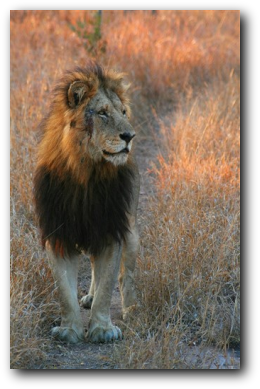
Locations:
{"points": [[124, 151]]}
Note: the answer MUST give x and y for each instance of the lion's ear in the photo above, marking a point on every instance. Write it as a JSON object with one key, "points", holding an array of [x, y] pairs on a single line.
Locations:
{"points": [[77, 92]]}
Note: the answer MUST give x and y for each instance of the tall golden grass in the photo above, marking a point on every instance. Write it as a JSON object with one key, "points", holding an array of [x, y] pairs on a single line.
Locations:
{"points": [[181, 63], [189, 268]]}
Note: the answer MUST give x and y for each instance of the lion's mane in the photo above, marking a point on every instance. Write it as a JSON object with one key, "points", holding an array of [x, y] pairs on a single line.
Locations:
{"points": [[74, 213]]}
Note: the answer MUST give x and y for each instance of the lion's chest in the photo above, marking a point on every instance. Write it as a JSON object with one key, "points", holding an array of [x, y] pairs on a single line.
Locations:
{"points": [[83, 216]]}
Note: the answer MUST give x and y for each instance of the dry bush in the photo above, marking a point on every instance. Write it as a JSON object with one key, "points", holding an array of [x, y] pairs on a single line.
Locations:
{"points": [[172, 51], [189, 269], [31, 287], [188, 277]]}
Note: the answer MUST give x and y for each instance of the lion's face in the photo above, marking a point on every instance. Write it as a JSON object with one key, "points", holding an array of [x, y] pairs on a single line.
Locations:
{"points": [[88, 124], [111, 134], [100, 128]]}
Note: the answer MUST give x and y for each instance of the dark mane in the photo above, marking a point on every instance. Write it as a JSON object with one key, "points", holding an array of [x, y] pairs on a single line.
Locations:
{"points": [[91, 68], [73, 216]]}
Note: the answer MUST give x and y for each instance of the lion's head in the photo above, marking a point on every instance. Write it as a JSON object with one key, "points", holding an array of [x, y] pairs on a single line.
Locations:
{"points": [[88, 121]]}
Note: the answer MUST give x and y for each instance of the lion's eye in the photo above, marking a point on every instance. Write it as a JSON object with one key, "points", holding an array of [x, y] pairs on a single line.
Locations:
{"points": [[103, 113], [124, 112]]}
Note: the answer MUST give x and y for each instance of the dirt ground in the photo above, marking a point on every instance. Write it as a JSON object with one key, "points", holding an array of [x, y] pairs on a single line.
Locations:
{"points": [[100, 356]]}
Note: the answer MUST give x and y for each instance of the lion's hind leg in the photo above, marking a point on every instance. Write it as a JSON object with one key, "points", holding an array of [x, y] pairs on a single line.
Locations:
{"points": [[65, 272], [126, 276], [87, 300]]}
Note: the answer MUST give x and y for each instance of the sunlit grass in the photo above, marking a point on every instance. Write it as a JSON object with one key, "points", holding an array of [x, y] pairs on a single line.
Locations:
{"points": [[182, 62], [189, 268]]}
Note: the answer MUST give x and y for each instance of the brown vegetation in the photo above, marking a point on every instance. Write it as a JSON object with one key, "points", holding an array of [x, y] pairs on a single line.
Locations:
{"points": [[184, 70]]}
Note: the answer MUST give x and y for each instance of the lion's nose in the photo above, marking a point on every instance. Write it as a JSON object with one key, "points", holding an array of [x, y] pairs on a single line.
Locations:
{"points": [[127, 136]]}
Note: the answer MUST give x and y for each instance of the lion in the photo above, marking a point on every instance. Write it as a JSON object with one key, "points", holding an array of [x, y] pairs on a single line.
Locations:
{"points": [[86, 189]]}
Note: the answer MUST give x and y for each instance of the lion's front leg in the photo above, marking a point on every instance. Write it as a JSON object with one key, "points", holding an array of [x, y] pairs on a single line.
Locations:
{"points": [[65, 272], [106, 268]]}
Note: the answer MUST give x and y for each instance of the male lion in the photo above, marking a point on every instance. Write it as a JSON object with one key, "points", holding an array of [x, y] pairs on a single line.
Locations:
{"points": [[86, 193]]}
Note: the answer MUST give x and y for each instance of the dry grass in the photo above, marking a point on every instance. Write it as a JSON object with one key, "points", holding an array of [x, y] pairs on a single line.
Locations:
{"points": [[189, 268], [186, 62]]}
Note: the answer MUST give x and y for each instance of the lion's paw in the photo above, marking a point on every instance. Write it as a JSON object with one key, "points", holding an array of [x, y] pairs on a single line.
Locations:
{"points": [[101, 334], [67, 334], [86, 301]]}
